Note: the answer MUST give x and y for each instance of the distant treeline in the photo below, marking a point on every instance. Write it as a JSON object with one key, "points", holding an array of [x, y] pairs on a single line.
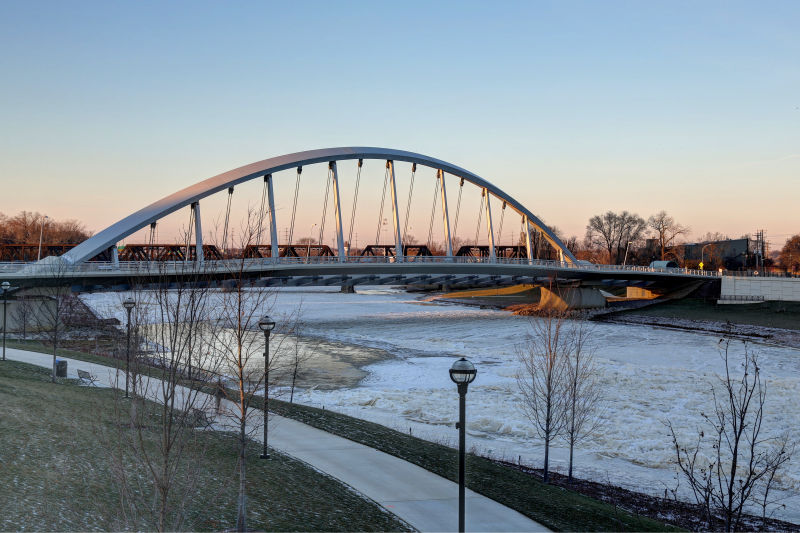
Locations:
{"points": [[25, 227]]}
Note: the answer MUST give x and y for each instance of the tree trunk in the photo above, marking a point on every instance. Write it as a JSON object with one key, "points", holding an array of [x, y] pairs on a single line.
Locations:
{"points": [[571, 448], [294, 380], [241, 519], [572, 423], [546, 478], [55, 346]]}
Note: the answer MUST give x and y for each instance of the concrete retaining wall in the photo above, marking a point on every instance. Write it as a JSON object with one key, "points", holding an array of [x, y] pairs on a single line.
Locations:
{"points": [[760, 289]]}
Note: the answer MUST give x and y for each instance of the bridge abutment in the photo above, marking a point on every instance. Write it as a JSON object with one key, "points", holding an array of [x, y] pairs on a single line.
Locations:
{"points": [[569, 298], [642, 294]]}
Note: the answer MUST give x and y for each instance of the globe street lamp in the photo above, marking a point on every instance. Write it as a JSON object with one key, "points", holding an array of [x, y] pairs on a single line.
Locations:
{"points": [[5, 286], [128, 304], [266, 324], [462, 373]]}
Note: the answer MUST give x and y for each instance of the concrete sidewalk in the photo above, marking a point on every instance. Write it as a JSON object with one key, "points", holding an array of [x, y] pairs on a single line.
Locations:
{"points": [[425, 500]]}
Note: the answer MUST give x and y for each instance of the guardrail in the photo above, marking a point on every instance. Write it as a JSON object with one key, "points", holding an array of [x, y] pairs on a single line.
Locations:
{"points": [[740, 298], [162, 267], [758, 274]]}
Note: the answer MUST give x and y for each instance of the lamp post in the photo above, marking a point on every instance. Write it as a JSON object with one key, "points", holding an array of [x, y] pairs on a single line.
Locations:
{"points": [[267, 325], [128, 304], [625, 261], [5, 286], [41, 234], [462, 373], [310, 239], [703, 252]]}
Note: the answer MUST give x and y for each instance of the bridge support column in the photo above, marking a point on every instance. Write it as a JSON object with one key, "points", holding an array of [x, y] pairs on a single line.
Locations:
{"points": [[445, 215], [398, 239], [338, 206], [273, 229], [528, 244], [114, 257], [490, 228], [198, 234]]}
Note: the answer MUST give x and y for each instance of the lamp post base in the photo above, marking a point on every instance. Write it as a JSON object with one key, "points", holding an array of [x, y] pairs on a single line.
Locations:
{"points": [[264, 456]]}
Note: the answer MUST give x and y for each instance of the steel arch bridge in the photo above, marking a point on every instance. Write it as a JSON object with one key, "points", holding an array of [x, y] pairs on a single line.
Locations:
{"points": [[191, 196], [95, 264]]}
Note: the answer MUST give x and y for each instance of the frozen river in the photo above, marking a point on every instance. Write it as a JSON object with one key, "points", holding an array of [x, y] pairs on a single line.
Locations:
{"points": [[649, 376]]}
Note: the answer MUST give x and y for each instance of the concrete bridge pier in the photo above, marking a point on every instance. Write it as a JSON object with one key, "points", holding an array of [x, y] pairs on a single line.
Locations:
{"points": [[567, 298]]}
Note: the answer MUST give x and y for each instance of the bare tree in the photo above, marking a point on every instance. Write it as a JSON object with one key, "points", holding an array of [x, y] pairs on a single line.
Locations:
{"points": [[23, 315], [713, 236], [612, 232], [25, 228], [240, 346], [739, 470], [790, 254], [297, 355], [665, 230], [583, 392], [167, 407], [542, 378], [57, 303]]}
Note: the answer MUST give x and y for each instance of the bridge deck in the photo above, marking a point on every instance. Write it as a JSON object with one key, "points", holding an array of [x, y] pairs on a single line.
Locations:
{"points": [[324, 270]]}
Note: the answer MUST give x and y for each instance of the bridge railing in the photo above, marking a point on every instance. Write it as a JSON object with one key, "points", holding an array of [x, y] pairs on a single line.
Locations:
{"points": [[162, 267]]}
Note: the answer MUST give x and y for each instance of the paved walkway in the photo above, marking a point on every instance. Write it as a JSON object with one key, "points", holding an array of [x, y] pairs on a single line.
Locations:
{"points": [[426, 501]]}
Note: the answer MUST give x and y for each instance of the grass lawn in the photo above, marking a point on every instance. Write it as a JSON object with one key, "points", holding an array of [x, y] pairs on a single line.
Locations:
{"points": [[770, 314], [57, 442], [557, 508]]}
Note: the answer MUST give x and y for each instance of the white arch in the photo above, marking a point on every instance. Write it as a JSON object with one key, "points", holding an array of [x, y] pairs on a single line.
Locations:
{"points": [[185, 197]]}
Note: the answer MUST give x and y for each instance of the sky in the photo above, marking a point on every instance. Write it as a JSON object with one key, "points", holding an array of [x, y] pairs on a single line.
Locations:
{"points": [[573, 108]]}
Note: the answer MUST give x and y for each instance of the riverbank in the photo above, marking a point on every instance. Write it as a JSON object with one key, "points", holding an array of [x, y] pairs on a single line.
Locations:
{"points": [[775, 323]]}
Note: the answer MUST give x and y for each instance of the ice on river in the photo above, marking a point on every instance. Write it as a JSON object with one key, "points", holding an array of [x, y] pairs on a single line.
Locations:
{"points": [[649, 376]]}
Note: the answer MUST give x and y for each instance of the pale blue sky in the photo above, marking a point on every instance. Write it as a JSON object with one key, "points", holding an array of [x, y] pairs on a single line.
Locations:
{"points": [[572, 107]]}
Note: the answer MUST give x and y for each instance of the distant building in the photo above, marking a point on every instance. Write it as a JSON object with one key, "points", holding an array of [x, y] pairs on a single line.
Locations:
{"points": [[730, 254]]}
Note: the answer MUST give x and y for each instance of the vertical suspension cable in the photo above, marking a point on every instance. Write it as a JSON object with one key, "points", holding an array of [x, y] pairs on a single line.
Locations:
{"points": [[150, 251], [433, 211], [480, 216], [261, 216], [355, 200], [408, 204], [458, 207], [325, 207], [500, 228], [189, 233], [383, 200], [294, 207], [227, 218]]}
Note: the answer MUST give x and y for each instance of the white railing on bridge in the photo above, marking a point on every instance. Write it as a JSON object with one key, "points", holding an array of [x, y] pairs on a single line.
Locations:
{"points": [[156, 267]]}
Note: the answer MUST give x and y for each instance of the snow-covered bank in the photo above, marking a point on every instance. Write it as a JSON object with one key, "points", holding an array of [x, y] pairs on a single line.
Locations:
{"points": [[650, 374]]}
